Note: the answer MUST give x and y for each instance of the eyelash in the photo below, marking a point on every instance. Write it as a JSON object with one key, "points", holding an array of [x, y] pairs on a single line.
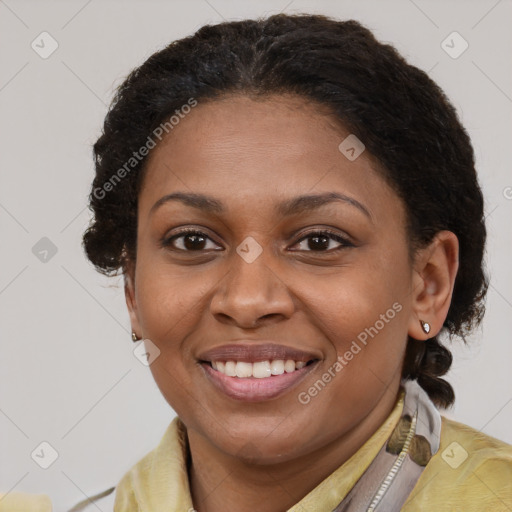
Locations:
{"points": [[345, 243]]}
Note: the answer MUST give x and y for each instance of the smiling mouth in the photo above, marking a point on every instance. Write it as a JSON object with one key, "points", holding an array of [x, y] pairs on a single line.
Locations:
{"points": [[258, 369], [258, 381], [255, 372]]}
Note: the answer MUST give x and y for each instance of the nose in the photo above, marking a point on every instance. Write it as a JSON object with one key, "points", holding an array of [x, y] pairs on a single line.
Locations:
{"points": [[252, 294]]}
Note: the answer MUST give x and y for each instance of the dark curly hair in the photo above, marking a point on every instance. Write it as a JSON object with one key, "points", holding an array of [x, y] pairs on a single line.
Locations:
{"points": [[403, 117]]}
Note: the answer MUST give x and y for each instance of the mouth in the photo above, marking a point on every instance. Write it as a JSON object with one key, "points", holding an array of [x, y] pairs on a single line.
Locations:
{"points": [[256, 373], [259, 369]]}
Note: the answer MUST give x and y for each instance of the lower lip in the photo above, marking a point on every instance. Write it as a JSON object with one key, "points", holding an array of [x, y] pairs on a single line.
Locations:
{"points": [[252, 389]]}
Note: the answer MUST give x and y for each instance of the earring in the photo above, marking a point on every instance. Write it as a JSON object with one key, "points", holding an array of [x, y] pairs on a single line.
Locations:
{"points": [[425, 326], [134, 337]]}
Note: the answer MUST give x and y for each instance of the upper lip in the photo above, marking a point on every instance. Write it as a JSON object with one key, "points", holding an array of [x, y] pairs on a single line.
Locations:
{"points": [[250, 351]]}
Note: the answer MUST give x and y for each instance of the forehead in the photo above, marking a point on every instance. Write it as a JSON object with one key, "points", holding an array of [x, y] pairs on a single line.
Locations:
{"points": [[238, 128], [254, 151]]}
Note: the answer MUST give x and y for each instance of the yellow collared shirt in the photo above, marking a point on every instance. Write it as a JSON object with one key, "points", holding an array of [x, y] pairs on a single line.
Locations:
{"points": [[471, 472]]}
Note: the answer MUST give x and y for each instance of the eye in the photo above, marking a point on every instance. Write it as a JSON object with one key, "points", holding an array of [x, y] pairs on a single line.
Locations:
{"points": [[320, 241], [193, 240], [189, 240]]}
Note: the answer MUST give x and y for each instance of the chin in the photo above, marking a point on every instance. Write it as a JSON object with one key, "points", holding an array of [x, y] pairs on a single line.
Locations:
{"points": [[262, 453], [262, 445]]}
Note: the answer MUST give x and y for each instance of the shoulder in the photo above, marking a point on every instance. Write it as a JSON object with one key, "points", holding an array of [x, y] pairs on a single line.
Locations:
{"points": [[159, 479], [133, 483], [23, 502], [476, 440], [136, 485], [470, 472], [27, 502]]}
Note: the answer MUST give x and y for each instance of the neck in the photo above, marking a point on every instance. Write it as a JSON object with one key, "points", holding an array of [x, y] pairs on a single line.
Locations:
{"points": [[220, 482]]}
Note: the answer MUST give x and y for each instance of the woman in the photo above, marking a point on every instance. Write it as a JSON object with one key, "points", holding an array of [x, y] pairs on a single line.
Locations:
{"points": [[297, 217]]}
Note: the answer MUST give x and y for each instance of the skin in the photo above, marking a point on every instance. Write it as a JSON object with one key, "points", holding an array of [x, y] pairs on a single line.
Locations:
{"points": [[252, 155]]}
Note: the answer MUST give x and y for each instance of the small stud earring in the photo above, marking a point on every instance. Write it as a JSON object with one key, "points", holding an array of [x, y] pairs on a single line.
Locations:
{"points": [[425, 326], [134, 337]]}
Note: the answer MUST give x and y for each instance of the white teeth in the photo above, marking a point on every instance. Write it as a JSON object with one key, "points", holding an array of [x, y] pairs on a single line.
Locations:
{"points": [[243, 369], [261, 369], [230, 369], [258, 370], [289, 366], [277, 367]]}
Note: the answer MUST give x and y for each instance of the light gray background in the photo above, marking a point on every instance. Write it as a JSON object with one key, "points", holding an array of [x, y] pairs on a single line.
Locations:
{"points": [[68, 375]]}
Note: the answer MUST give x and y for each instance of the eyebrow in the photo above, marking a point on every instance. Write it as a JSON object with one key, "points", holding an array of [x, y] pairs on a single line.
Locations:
{"points": [[293, 206]]}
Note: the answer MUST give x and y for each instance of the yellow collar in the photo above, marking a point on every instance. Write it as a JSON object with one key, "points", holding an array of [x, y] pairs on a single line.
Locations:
{"points": [[159, 481]]}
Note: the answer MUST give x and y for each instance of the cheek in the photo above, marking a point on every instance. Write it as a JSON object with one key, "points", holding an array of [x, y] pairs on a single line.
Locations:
{"points": [[364, 315], [169, 299], [367, 332], [355, 298]]}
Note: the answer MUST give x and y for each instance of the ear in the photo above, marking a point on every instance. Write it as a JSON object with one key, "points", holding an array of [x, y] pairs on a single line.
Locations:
{"points": [[131, 301], [434, 272]]}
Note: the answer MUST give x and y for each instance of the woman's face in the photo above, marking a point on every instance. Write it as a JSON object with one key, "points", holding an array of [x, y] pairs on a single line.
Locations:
{"points": [[262, 282]]}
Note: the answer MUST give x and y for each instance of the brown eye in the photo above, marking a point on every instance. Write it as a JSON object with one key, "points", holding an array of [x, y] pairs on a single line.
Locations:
{"points": [[321, 241], [189, 241]]}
